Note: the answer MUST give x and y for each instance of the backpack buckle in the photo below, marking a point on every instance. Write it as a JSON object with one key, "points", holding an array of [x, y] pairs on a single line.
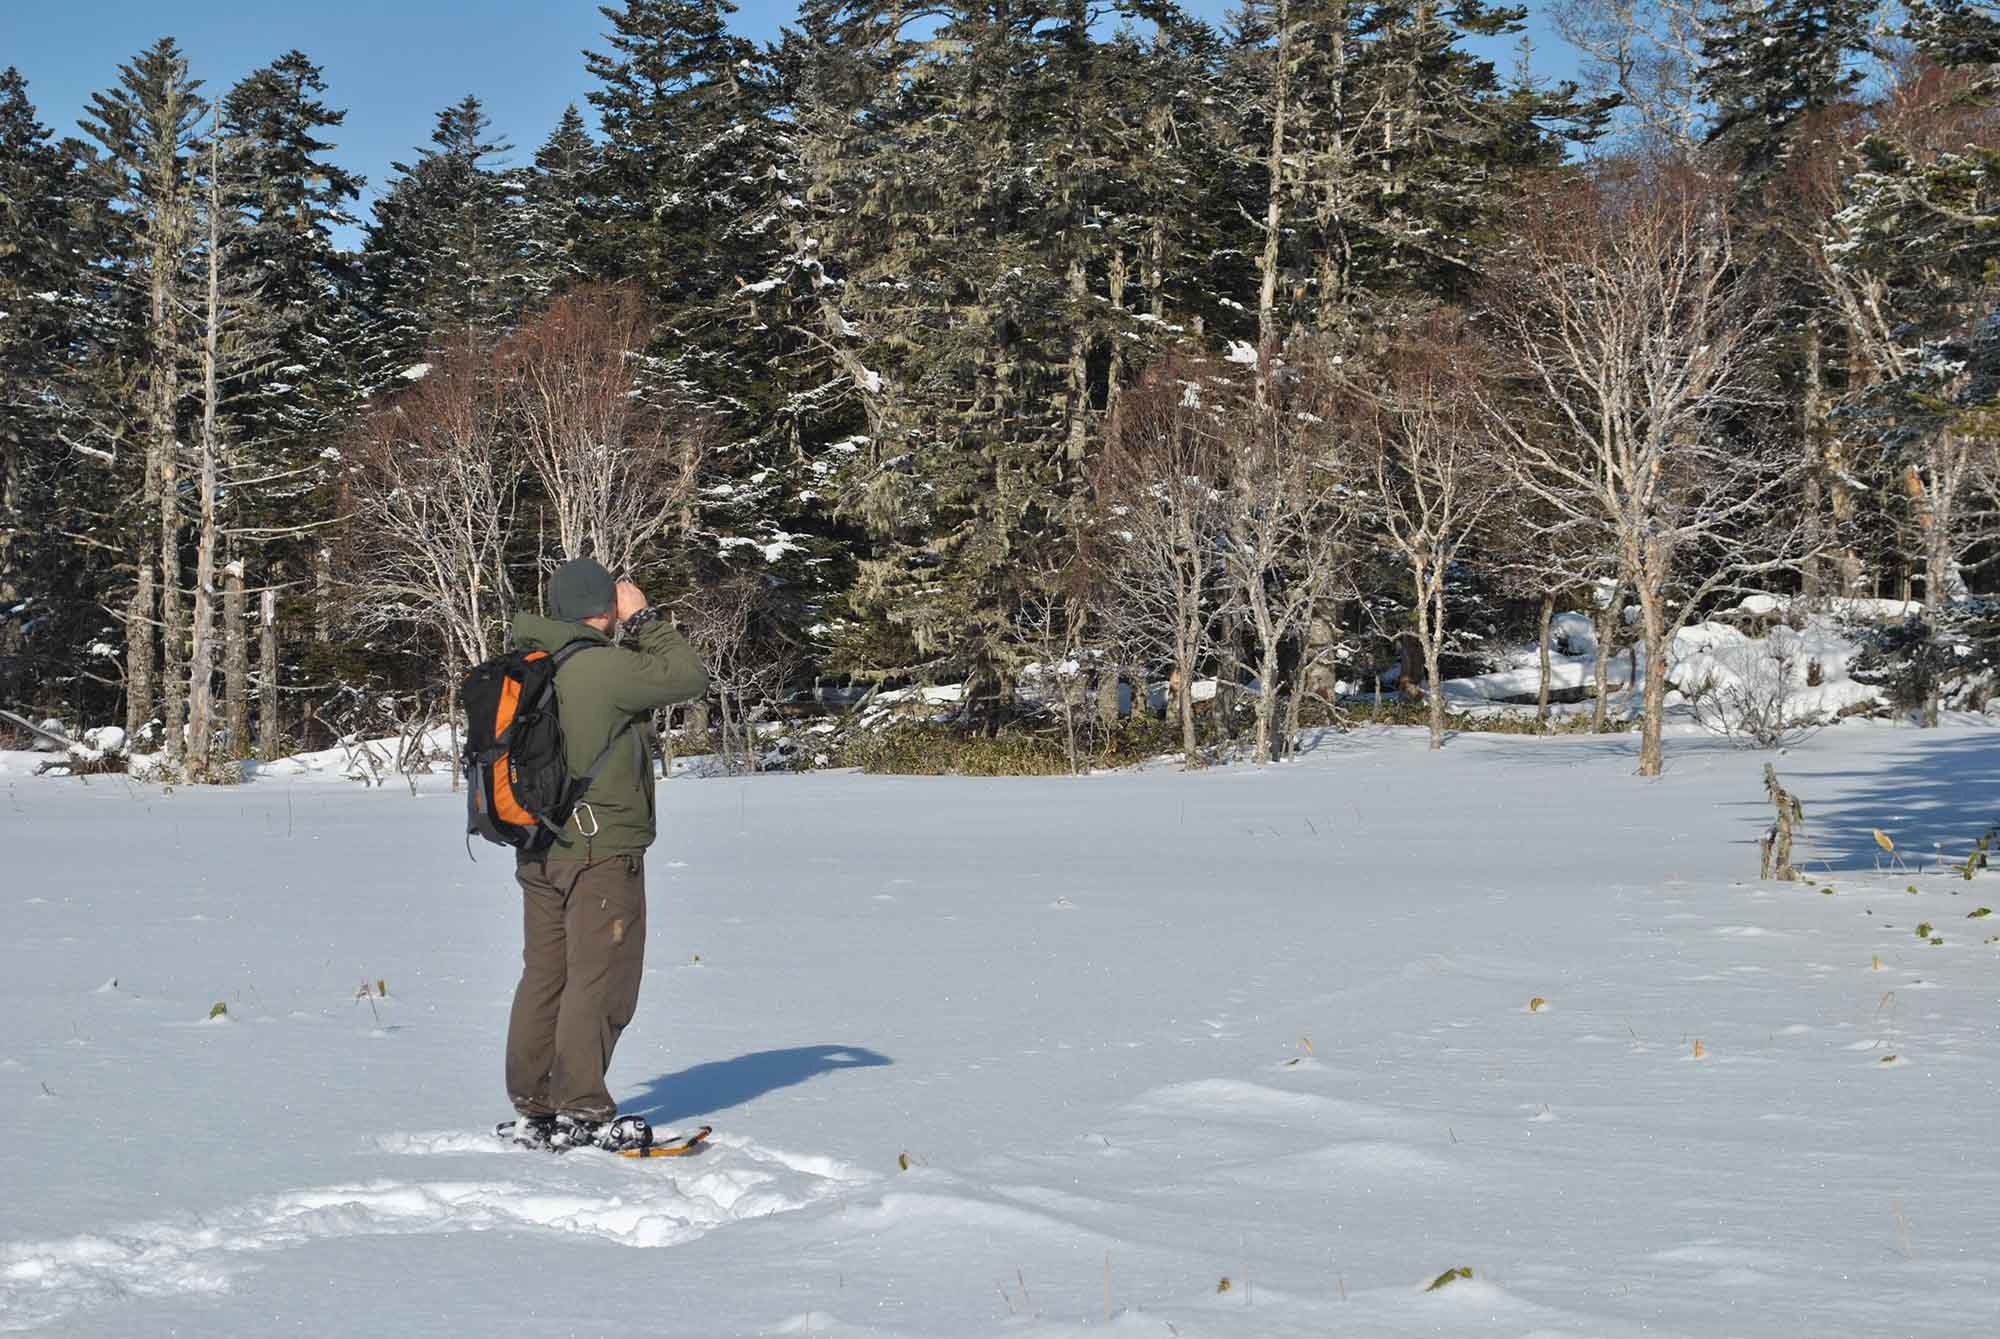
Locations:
{"points": [[583, 809]]}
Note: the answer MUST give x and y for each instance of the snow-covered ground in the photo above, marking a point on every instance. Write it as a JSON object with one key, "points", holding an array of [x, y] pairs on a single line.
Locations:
{"points": [[1132, 1034]]}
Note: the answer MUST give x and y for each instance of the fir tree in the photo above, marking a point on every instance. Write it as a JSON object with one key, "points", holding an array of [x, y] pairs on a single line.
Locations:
{"points": [[1768, 65], [444, 254], [561, 208], [50, 322], [292, 384], [679, 102], [696, 206], [1443, 156]]}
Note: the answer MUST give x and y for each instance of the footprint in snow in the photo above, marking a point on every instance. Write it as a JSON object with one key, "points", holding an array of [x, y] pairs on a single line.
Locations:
{"points": [[43, 1281]]}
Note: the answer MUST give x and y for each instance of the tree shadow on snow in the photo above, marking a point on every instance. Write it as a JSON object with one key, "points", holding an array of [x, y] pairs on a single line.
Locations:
{"points": [[1936, 795], [718, 1085]]}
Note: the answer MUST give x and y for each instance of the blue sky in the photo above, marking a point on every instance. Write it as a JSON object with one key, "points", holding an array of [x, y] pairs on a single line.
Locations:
{"points": [[391, 63]]}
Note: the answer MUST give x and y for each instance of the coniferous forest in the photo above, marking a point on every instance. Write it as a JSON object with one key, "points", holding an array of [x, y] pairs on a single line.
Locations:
{"points": [[1031, 345]]}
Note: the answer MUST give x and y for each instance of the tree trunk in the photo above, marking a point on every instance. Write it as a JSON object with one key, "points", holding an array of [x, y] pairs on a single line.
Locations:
{"points": [[1294, 703], [1431, 631], [235, 665], [1606, 624], [728, 729], [1548, 617], [1107, 696], [1183, 690], [201, 660], [269, 736], [1079, 357], [1228, 681], [173, 627], [1274, 200], [165, 445], [667, 744], [1937, 596], [323, 598], [1812, 432], [1656, 682], [139, 639], [1267, 700], [10, 522]]}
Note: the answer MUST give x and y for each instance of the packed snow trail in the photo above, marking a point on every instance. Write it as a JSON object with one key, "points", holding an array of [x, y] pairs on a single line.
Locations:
{"points": [[1037, 1057]]}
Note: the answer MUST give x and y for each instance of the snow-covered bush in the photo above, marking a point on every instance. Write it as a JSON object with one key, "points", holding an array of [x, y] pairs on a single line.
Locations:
{"points": [[1750, 690]]}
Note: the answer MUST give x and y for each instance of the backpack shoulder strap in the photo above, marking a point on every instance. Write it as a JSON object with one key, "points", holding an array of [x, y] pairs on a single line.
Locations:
{"points": [[569, 648], [589, 774]]}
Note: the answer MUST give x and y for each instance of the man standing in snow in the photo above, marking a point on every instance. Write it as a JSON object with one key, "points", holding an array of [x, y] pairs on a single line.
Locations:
{"points": [[585, 897]]}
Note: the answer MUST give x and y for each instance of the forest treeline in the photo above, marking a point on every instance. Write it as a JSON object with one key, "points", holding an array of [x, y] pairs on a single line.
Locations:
{"points": [[1086, 343]]}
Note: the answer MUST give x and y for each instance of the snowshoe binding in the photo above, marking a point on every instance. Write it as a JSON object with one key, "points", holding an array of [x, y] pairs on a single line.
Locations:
{"points": [[526, 1131], [617, 1135], [627, 1136]]}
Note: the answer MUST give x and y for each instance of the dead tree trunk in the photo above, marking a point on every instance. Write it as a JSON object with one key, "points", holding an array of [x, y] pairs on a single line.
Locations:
{"points": [[201, 658], [235, 665], [1274, 202], [269, 737], [1812, 433], [1776, 846]]}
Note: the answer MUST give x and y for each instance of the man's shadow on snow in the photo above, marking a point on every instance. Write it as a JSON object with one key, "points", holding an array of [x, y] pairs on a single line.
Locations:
{"points": [[718, 1085]]}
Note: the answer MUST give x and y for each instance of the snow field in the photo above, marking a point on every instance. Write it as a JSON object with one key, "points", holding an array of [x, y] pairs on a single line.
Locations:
{"points": [[1035, 1057]]}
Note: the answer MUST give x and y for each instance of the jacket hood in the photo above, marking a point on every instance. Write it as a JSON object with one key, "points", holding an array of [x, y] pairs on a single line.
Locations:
{"points": [[533, 632]]}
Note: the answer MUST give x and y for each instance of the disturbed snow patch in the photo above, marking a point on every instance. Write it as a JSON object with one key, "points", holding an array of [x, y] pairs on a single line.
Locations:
{"points": [[652, 1206]]}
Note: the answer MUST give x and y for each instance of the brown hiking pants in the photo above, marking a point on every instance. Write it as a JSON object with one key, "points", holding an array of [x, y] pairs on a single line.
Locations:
{"points": [[585, 948]]}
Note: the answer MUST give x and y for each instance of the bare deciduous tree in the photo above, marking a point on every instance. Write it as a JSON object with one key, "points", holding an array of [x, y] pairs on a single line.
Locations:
{"points": [[1648, 52], [1049, 628], [1158, 485], [1289, 513], [615, 462], [1429, 448], [728, 625], [435, 479], [1631, 319], [1536, 555]]}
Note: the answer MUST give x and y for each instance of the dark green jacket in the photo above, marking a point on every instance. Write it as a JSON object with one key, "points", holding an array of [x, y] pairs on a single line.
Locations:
{"points": [[598, 690]]}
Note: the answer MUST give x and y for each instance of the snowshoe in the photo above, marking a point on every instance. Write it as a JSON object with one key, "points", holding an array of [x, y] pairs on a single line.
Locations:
{"points": [[618, 1135]]}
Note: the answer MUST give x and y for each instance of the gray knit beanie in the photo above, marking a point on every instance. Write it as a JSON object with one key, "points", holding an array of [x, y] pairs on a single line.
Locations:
{"points": [[581, 589]]}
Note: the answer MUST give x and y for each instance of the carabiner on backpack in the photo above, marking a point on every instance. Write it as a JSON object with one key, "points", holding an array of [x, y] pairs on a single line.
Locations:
{"points": [[583, 808]]}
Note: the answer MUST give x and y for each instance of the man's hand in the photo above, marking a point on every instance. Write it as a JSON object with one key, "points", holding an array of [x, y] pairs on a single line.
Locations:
{"points": [[630, 600]]}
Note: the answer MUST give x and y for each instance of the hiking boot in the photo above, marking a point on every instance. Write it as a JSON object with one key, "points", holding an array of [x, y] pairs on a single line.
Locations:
{"points": [[527, 1131]]}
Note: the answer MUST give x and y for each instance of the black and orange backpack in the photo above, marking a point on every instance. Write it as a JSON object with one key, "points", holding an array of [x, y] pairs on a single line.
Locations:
{"points": [[519, 791]]}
